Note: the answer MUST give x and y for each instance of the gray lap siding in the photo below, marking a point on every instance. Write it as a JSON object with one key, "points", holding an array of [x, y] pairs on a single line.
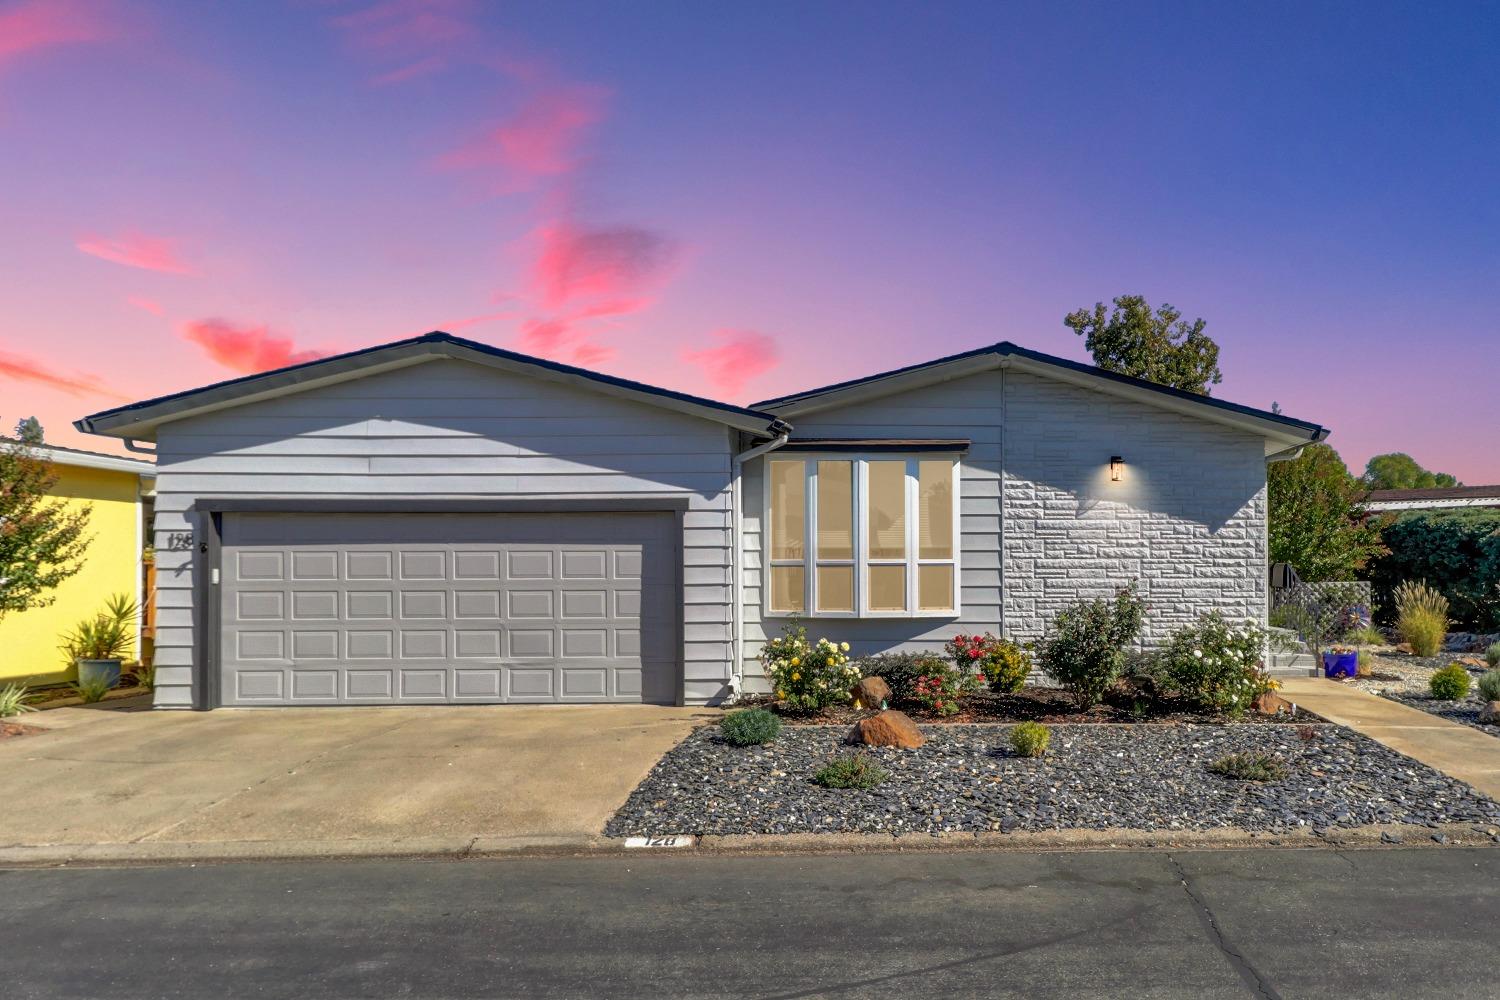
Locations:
{"points": [[1042, 524], [450, 429]]}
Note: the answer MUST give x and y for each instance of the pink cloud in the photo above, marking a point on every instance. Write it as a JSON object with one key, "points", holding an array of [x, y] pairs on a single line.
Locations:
{"points": [[545, 336], [404, 24], [588, 354], [247, 349], [33, 25], [542, 140], [740, 356], [150, 253], [422, 67], [22, 369], [612, 262], [147, 305]]}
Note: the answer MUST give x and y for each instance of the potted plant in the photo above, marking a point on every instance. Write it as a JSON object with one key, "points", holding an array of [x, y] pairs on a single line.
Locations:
{"points": [[1341, 661], [98, 645]]}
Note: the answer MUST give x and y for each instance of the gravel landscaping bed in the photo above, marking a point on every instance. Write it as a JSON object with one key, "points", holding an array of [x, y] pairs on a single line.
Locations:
{"points": [[1094, 777]]}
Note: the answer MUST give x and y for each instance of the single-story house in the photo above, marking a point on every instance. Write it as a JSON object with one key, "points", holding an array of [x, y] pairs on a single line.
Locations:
{"points": [[438, 520], [1434, 498], [118, 490]]}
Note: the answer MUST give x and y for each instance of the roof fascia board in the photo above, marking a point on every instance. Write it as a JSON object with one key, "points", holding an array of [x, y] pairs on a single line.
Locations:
{"points": [[1278, 437], [108, 463], [141, 423], [744, 422], [877, 388]]}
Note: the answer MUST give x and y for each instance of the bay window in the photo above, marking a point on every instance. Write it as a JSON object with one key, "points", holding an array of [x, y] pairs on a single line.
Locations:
{"points": [[852, 536]]}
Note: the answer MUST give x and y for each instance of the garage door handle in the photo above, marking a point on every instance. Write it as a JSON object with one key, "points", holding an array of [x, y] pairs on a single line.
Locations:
{"points": [[214, 576]]}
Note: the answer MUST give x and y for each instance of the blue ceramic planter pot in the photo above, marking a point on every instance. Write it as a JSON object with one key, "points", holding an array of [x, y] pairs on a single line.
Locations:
{"points": [[107, 670], [1340, 664]]}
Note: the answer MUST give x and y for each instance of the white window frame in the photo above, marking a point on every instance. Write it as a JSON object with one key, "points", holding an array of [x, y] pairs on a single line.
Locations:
{"points": [[861, 562]]}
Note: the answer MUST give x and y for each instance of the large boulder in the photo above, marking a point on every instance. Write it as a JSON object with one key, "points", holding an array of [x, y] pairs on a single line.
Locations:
{"points": [[1490, 713], [1271, 703], [871, 692], [888, 729]]}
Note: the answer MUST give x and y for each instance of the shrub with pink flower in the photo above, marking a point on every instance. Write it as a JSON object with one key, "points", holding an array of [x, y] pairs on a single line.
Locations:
{"points": [[1000, 663]]}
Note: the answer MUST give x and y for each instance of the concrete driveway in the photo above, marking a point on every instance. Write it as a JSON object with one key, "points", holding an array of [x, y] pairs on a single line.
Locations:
{"points": [[386, 777]]}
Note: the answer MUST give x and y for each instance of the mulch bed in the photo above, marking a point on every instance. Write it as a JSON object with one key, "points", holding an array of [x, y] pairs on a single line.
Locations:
{"points": [[1031, 704], [1144, 777]]}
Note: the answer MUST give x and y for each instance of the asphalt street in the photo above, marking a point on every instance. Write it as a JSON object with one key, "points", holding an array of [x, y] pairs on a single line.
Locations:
{"points": [[1267, 923]]}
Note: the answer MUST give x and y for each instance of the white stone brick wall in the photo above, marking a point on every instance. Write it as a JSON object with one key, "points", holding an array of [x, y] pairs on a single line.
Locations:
{"points": [[1187, 521]]}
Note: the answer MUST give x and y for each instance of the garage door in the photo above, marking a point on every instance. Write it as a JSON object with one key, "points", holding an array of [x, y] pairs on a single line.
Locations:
{"points": [[420, 608]]}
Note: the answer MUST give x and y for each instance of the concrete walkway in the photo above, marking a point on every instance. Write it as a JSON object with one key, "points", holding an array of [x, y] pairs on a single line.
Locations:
{"points": [[1460, 751], [117, 782]]}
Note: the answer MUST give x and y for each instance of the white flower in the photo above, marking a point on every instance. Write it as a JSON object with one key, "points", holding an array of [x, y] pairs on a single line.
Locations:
{"points": [[1198, 653]]}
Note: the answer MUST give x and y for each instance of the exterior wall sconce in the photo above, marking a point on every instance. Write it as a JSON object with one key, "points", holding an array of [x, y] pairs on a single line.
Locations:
{"points": [[1116, 466]]}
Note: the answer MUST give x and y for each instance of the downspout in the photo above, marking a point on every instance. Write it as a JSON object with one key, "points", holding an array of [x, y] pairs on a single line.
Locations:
{"points": [[737, 558], [132, 445]]}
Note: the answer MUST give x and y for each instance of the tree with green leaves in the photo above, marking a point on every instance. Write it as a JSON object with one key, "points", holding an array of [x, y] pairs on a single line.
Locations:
{"points": [[1160, 347], [1399, 471], [42, 540], [1318, 521]]}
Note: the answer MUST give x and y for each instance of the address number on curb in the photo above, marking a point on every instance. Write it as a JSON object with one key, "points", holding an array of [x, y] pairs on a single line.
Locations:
{"points": [[677, 841]]}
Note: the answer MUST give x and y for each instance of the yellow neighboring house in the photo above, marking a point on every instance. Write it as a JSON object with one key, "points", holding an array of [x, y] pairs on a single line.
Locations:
{"points": [[119, 490]]}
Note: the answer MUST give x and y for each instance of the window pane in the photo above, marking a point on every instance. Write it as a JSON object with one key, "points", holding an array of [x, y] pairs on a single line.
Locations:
{"points": [[835, 510], [935, 528], [887, 588], [835, 588], [788, 509], [935, 588], [786, 588], [887, 502]]}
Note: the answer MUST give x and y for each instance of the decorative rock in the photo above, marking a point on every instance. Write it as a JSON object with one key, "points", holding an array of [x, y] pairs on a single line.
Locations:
{"points": [[1271, 703], [871, 692], [888, 729], [1490, 713]]}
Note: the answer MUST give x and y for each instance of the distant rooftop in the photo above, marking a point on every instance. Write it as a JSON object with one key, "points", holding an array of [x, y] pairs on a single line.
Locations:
{"points": [[1435, 498], [89, 459]]}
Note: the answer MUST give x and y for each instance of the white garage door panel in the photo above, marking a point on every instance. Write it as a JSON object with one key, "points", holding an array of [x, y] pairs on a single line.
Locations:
{"points": [[418, 608]]}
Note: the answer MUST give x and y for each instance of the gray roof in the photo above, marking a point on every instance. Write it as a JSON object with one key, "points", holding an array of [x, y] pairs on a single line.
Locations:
{"points": [[140, 419]]}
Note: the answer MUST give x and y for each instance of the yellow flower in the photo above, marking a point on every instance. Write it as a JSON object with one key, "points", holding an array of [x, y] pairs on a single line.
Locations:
{"points": [[796, 676], [796, 661], [780, 693], [844, 646]]}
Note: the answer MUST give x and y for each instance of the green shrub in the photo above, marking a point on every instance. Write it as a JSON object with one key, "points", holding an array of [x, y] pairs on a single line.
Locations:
{"points": [[93, 689], [1492, 655], [13, 698], [1249, 766], [1212, 665], [1457, 551], [1030, 739], [145, 676], [108, 635], [1083, 648], [749, 727], [1365, 635], [850, 771], [808, 676], [1489, 685], [941, 688], [1421, 617], [1450, 683], [900, 672]]}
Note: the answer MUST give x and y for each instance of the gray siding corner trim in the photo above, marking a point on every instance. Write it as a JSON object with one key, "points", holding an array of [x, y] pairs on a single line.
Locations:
{"points": [[439, 505]]}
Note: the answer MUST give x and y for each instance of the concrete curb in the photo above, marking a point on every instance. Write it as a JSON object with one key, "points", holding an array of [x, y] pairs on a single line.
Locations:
{"points": [[482, 848]]}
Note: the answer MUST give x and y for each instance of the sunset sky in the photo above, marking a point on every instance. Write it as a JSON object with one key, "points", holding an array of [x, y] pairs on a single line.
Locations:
{"points": [[743, 200]]}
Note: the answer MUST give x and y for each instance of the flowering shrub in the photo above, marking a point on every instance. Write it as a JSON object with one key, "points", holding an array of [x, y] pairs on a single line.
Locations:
{"points": [[808, 676], [1002, 664], [940, 690], [1213, 665]]}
